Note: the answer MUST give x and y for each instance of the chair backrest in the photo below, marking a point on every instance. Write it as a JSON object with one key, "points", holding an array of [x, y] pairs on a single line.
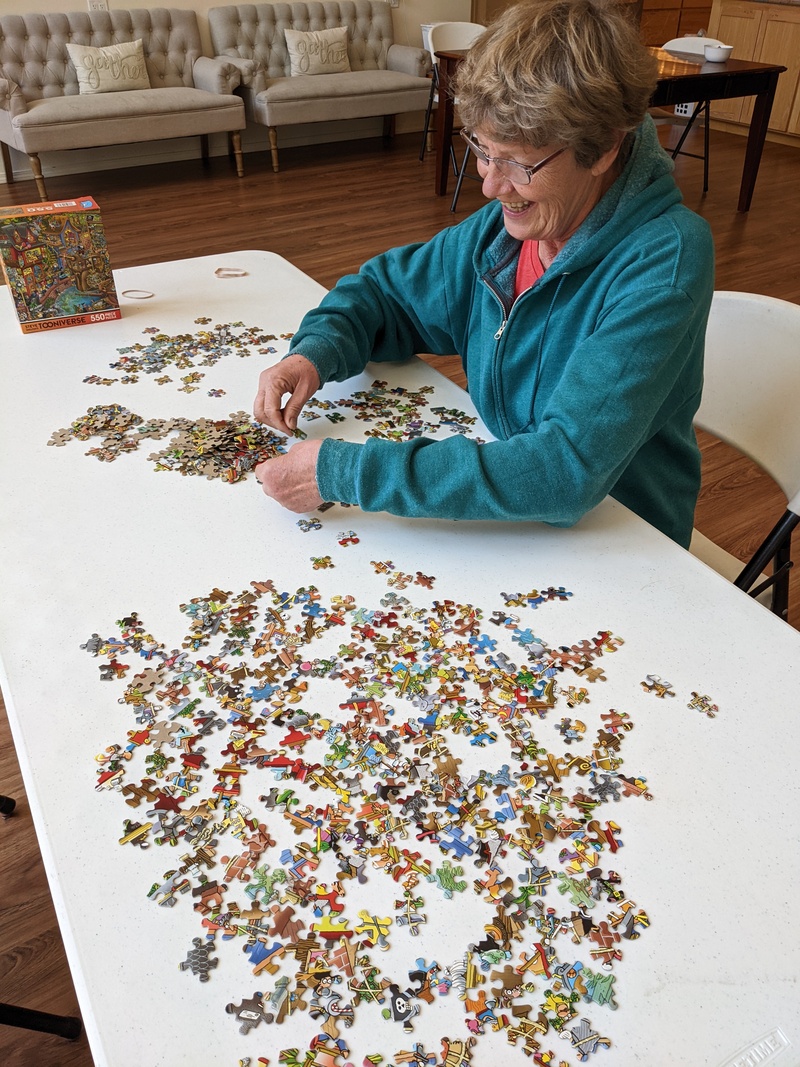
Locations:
{"points": [[446, 35], [690, 46], [258, 31], [33, 48], [751, 395]]}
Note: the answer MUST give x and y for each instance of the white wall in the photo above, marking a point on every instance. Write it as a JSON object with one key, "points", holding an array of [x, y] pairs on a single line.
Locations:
{"points": [[407, 18]]}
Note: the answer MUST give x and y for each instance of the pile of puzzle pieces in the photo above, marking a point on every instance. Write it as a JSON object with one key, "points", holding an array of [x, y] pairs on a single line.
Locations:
{"points": [[230, 448], [368, 787], [185, 351], [213, 448], [392, 413]]}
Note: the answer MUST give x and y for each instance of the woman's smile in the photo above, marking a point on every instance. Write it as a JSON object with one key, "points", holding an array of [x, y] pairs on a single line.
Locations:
{"points": [[515, 208]]}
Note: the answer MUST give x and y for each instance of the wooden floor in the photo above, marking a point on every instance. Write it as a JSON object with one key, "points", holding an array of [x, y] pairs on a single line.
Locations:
{"points": [[327, 210]]}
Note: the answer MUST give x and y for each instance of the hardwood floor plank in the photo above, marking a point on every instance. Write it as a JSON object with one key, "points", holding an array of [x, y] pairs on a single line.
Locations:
{"points": [[33, 966], [329, 209]]}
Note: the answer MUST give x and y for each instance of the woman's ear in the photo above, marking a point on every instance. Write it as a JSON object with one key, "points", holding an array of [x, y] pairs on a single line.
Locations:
{"points": [[607, 160]]}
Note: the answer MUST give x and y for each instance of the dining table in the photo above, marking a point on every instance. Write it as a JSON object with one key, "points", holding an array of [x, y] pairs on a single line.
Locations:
{"points": [[682, 79], [341, 787]]}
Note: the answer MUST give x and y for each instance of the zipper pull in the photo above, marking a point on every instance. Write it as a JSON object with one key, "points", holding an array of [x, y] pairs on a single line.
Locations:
{"points": [[499, 333]]}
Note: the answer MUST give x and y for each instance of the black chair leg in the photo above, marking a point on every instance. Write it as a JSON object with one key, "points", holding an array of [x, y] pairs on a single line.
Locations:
{"points": [[703, 108], [428, 112], [698, 111], [776, 547], [780, 591], [7, 805], [462, 171], [41, 1021], [706, 131]]}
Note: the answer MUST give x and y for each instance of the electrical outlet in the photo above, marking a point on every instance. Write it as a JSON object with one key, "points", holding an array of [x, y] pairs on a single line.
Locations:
{"points": [[98, 5], [686, 110]]}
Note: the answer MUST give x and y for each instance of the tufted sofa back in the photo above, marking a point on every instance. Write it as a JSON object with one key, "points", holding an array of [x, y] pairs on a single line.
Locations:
{"points": [[33, 50], [256, 31]]}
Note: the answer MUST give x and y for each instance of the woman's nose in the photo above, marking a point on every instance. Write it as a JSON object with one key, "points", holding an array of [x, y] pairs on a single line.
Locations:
{"points": [[494, 182]]}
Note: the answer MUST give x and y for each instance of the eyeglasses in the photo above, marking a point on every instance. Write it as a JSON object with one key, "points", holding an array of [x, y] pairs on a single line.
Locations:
{"points": [[518, 173]]}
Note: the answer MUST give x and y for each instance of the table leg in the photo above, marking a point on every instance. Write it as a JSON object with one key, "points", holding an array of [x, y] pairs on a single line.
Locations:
{"points": [[444, 127], [43, 1022], [755, 141]]}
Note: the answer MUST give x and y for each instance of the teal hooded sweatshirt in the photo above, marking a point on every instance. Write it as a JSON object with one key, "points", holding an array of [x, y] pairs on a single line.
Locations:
{"points": [[589, 381]]}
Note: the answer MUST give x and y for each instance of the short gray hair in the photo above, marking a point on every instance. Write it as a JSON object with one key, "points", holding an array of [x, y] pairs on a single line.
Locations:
{"points": [[567, 72]]}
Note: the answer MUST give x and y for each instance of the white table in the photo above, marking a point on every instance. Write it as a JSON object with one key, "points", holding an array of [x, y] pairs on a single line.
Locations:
{"points": [[712, 859]]}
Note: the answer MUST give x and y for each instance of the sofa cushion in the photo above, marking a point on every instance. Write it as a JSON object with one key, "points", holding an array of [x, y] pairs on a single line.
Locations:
{"points": [[318, 51], [62, 122], [113, 69], [360, 94]]}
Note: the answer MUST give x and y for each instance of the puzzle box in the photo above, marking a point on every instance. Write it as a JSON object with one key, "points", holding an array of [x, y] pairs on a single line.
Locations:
{"points": [[55, 261]]}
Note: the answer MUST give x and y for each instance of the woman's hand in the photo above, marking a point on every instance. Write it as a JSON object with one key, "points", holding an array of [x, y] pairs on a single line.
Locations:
{"points": [[295, 375], [291, 479]]}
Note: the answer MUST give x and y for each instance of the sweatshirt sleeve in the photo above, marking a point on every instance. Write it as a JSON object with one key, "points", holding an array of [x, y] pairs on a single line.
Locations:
{"points": [[393, 308], [622, 384]]}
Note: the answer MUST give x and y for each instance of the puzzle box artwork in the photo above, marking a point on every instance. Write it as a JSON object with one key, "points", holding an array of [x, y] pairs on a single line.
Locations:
{"points": [[55, 261]]}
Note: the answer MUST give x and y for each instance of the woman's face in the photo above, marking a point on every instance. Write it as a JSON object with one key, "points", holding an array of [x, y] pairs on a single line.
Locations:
{"points": [[559, 196]]}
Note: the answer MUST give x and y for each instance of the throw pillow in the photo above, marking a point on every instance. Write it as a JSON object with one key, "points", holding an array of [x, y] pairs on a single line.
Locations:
{"points": [[113, 69], [318, 51]]}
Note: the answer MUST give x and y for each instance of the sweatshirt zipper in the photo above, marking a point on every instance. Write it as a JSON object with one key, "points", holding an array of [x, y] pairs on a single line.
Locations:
{"points": [[507, 310]]}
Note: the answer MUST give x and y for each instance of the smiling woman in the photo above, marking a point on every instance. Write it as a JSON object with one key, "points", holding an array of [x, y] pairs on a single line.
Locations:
{"points": [[565, 73], [577, 301], [547, 75]]}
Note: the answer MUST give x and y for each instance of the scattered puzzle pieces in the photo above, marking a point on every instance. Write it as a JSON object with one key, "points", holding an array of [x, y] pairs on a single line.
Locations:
{"points": [[359, 745]]}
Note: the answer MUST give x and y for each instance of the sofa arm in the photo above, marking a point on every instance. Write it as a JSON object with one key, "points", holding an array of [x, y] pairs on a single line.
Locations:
{"points": [[221, 74], [11, 98], [406, 59], [253, 71]]}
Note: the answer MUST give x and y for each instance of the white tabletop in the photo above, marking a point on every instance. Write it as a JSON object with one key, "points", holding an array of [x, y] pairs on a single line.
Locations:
{"points": [[712, 859]]}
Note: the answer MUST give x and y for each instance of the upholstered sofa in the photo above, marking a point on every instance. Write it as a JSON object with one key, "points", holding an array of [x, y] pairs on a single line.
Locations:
{"points": [[374, 76], [44, 108]]}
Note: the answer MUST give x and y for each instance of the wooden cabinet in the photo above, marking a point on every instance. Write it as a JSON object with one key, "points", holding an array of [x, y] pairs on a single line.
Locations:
{"points": [[664, 19], [766, 33], [486, 11], [660, 19], [695, 15]]}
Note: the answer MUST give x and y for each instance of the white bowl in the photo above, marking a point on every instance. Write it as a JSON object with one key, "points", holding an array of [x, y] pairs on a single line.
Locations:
{"points": [[718, 53]]}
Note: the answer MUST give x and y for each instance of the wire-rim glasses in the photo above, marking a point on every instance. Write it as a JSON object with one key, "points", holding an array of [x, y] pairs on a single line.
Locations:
{"points": [[517, 173]]}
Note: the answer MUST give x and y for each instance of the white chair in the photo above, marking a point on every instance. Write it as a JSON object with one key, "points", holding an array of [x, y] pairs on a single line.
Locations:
{"points": [[441, 37], [688, 46], [751, 398]]}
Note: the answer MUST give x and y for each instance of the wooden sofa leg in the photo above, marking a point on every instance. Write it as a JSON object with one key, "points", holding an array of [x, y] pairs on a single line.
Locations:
{"points": [[236, 145], [204, 147], [36, 167], [388, 126], [9, 167], [273, 146]]}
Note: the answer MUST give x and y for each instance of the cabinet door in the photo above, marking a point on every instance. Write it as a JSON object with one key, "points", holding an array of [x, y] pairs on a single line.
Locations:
{"points": [[735, 22], [780, 43], [695, 15], [660, 21], [483, 11]]}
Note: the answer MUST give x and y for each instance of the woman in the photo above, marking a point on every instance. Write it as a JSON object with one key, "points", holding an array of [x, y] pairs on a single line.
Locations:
{"points": [[577, 300]]}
